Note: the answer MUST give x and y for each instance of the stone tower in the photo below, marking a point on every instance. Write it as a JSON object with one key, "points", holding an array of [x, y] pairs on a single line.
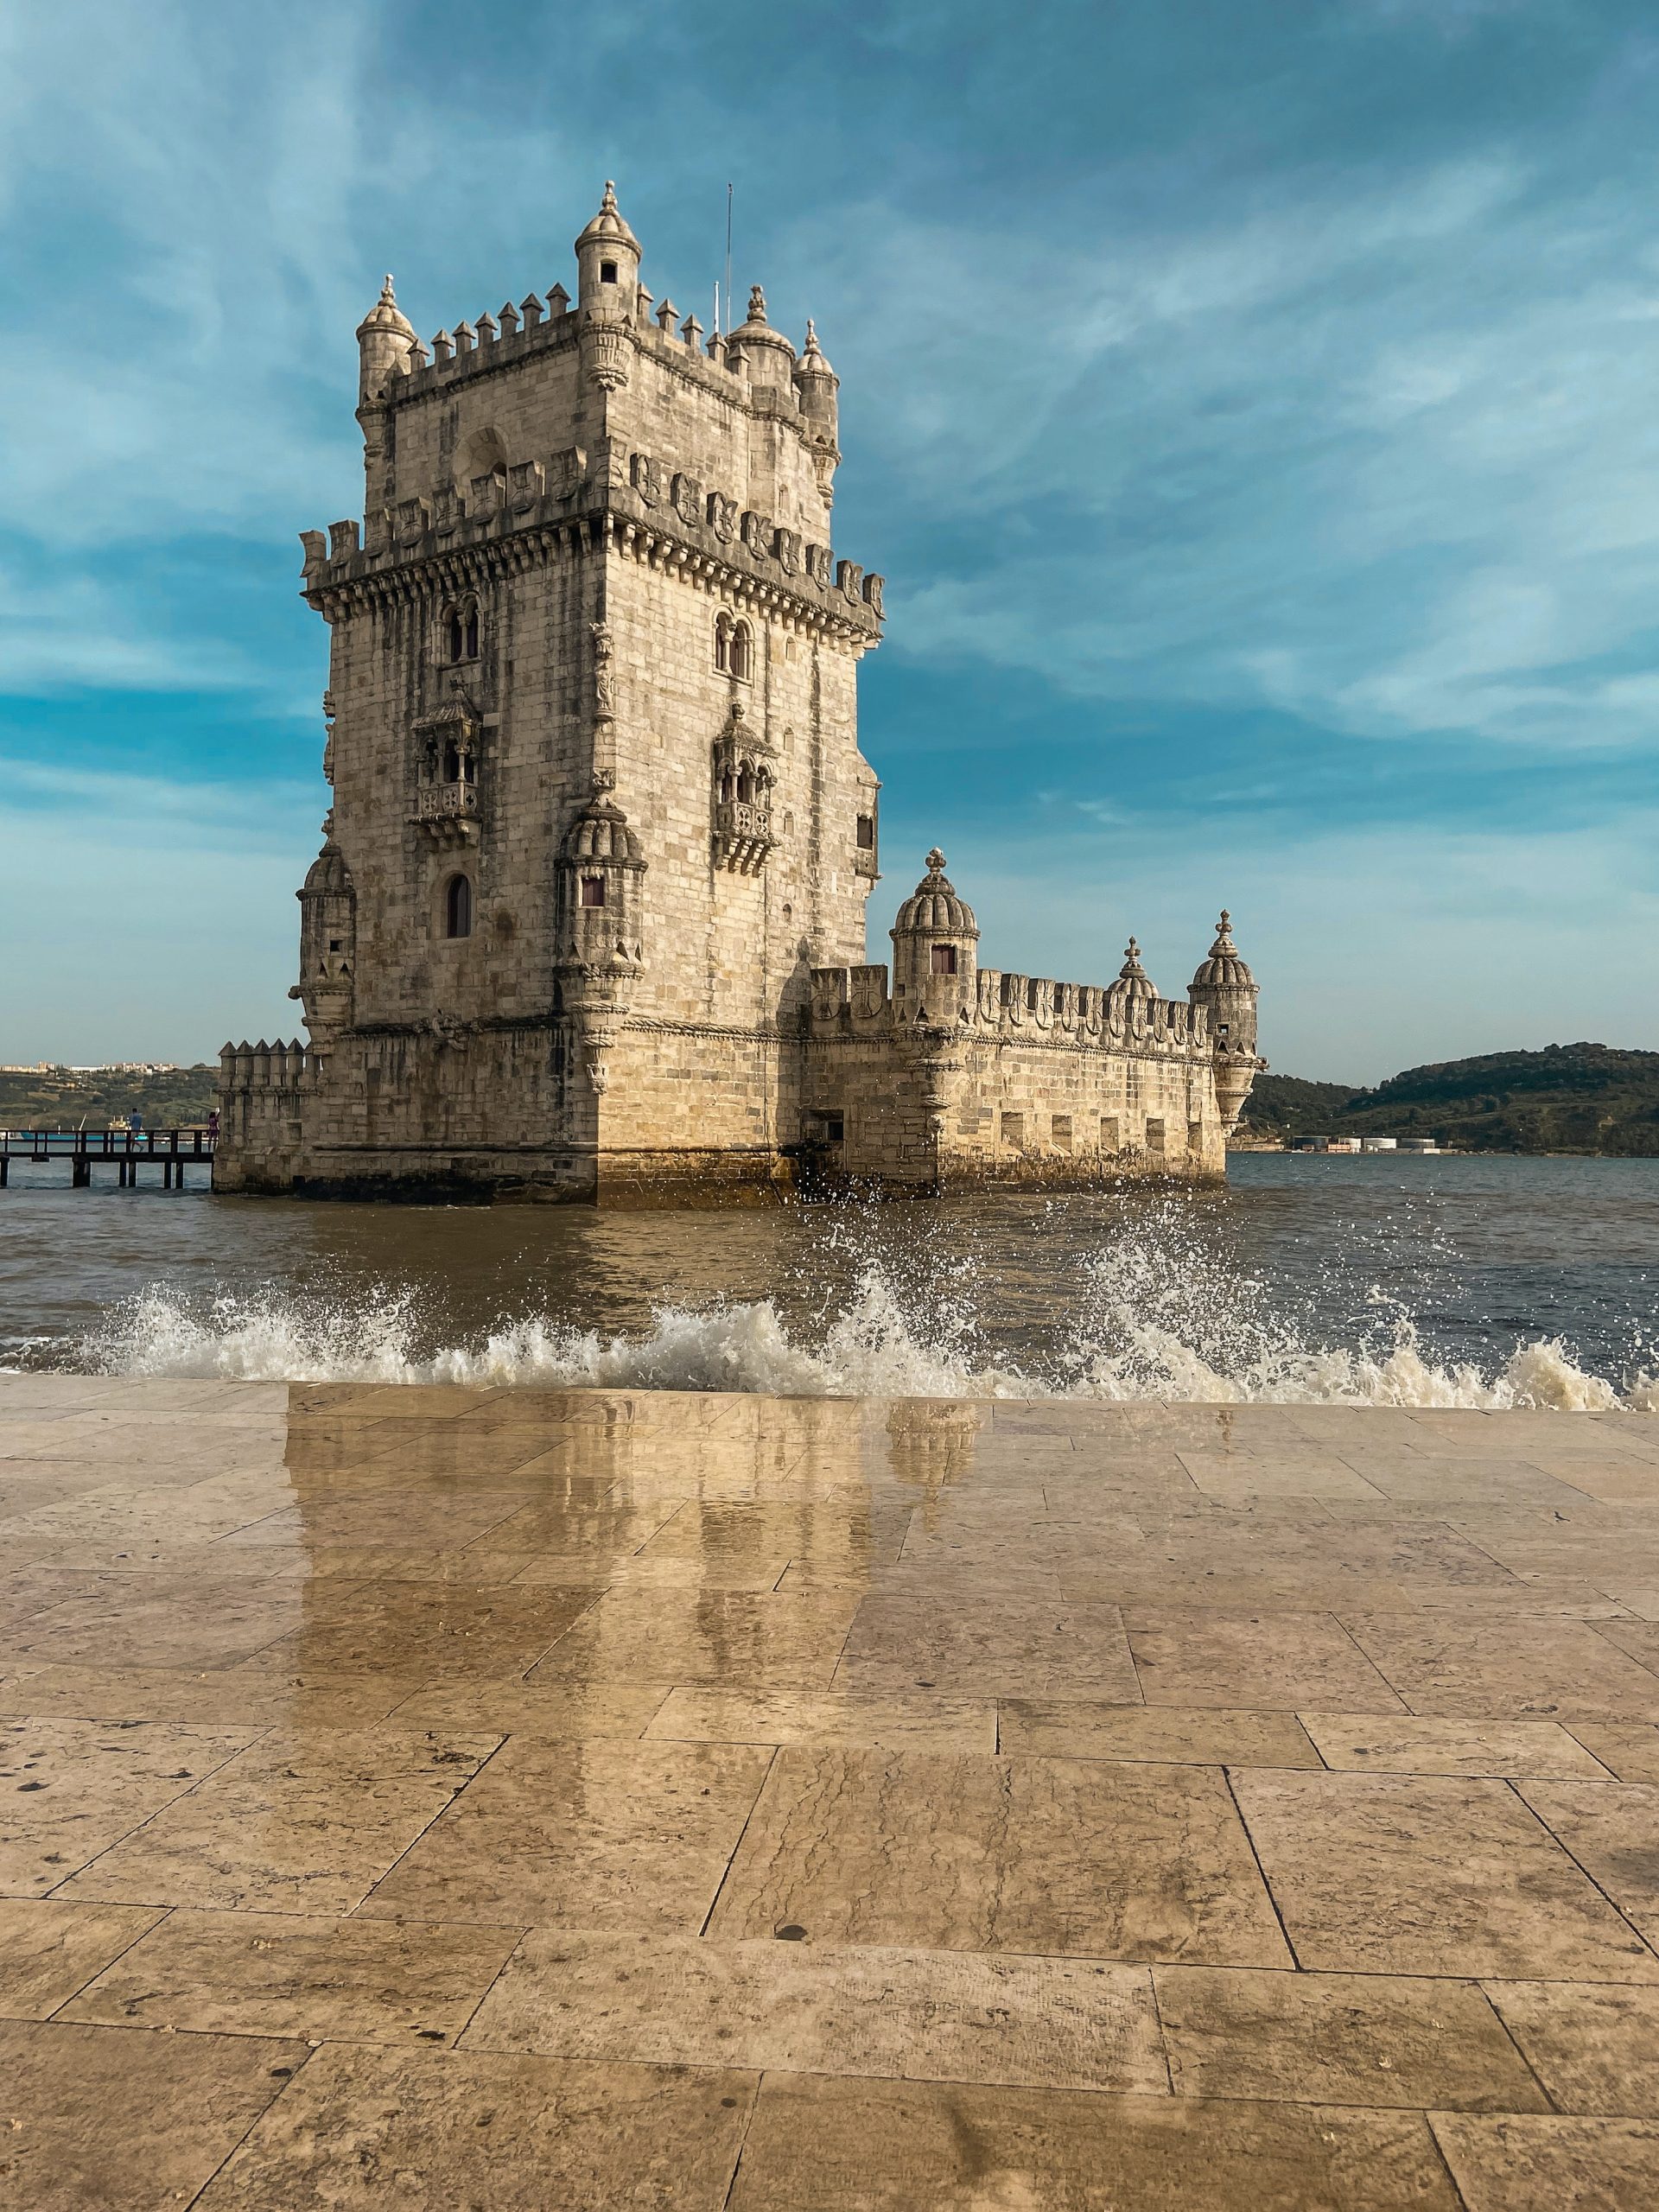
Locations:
{"points": [[599, 806], [589, 918]]}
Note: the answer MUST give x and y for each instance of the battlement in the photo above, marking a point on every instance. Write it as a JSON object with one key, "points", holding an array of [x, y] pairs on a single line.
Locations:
{"points": [[269, 1069], [655, 512], [500, 341], [1010, 1008]]}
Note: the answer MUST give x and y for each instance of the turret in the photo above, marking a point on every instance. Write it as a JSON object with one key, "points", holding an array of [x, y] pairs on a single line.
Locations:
{"points": [[935, 951], [383, 338], [1129, 999], [816, 385], [328, 944], [600, 951], [765, 356], [1224, 987], [607, 294]]}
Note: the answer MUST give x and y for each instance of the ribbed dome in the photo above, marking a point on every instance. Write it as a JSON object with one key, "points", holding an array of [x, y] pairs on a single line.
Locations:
{"points": [[1223, 966], [934, 905], [600, 832], [812, 363], [386, 314], [607, 227], [1133, 984], [328, 871]]}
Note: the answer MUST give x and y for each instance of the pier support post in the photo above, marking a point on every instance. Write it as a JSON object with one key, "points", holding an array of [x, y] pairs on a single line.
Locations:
{"points": [[80, 1173]]}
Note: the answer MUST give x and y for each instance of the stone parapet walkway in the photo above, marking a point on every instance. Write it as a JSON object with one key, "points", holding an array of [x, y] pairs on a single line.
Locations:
{"points": [[433, 1798]]}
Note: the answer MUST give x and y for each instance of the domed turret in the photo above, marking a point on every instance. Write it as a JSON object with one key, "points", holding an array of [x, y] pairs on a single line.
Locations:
{"points": [[602, 862], [1223, 966], [765, 355], [383, 338], [934, 907], [328, 944], [1224, 987], [816, 386], [817, 382], [608, 263], [935, 956], [1133, 987], [600, 832]]}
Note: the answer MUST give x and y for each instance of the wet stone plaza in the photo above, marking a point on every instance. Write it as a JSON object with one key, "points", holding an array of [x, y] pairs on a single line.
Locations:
{"points": [[429, 1797]]}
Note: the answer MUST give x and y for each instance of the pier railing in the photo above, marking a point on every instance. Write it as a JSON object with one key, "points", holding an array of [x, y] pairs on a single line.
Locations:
{"points": [[126, 1149]]}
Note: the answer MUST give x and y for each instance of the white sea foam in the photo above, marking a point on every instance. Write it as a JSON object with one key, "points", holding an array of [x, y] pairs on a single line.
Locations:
{"points": [[1136, 1332]]}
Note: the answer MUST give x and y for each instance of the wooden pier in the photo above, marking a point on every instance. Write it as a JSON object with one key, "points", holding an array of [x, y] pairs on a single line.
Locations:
{"points": [[125, 1150]]}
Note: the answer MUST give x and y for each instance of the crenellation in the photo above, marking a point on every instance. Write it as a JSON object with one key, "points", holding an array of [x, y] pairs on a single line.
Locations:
{"points": [[588, 922]]}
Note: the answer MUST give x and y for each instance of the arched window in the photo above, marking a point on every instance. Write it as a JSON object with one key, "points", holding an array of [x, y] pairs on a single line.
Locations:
{"points": [[742, 653], [461, 630], [458, 907], [744, 787], [723, 645]]}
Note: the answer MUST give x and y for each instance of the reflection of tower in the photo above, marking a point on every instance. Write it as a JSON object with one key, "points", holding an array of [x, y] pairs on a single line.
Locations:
{"points": [[931, 1443], [1226, 988]]}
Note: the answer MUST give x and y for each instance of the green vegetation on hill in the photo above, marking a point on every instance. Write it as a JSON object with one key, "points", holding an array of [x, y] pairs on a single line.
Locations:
{"points": [[63, 1100], [1584, 1098]]}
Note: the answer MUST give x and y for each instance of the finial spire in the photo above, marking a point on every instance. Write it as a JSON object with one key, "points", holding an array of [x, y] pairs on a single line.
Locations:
{"points": [[388, 297], [936, 862], [607, 205], [757, 304]]}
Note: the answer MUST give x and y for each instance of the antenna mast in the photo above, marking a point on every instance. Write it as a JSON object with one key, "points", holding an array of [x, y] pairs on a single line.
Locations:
{"points": [[728, 250]]}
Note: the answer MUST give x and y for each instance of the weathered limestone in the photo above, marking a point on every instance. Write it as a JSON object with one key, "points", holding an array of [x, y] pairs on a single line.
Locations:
{"points": [[589, 918]]}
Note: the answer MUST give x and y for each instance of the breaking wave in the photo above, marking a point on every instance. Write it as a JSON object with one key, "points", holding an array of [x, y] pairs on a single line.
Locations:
{"points": [[1142, 1321]]}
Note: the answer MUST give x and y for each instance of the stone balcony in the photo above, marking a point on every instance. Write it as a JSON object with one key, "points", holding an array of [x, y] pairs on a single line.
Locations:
{"points": [[448, 813]]}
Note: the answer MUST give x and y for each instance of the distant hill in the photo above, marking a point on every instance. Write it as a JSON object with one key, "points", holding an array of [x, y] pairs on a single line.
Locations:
{"points": [[62, 1099], [1583, 1098]]}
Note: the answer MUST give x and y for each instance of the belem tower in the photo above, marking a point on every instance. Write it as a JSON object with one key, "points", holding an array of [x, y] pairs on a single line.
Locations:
{"points": [[588, 920]]}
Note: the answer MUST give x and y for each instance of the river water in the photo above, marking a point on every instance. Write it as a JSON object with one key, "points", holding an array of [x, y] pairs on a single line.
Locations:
{"points": [[1443, 1281]]}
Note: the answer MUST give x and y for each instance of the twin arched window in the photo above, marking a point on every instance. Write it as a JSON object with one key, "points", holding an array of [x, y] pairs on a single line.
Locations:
{"points": [[733, 649], [458, 906], [461, 630]]}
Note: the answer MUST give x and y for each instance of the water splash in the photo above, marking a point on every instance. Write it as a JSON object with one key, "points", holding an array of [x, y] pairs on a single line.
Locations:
{"points": [[1145, 1323]]}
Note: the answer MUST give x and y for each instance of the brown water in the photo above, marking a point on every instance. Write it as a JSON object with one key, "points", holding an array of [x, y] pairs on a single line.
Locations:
{"points": [[1403, 1281]]}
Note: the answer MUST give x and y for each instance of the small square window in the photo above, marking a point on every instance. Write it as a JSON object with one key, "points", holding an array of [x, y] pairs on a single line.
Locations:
{"points": [[593, 891], [944, 960], [608, 272]]}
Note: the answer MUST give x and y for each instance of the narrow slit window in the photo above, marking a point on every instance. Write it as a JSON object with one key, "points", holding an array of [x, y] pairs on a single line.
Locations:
{"points": [[458, 907], [866, 833]]}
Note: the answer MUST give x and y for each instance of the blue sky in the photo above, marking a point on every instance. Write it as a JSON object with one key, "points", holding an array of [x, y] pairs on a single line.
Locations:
{"points": [[1254, 406]]}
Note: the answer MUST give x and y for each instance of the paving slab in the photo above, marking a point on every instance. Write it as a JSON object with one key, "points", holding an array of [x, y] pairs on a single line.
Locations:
{"points": [[605, 1797]]}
